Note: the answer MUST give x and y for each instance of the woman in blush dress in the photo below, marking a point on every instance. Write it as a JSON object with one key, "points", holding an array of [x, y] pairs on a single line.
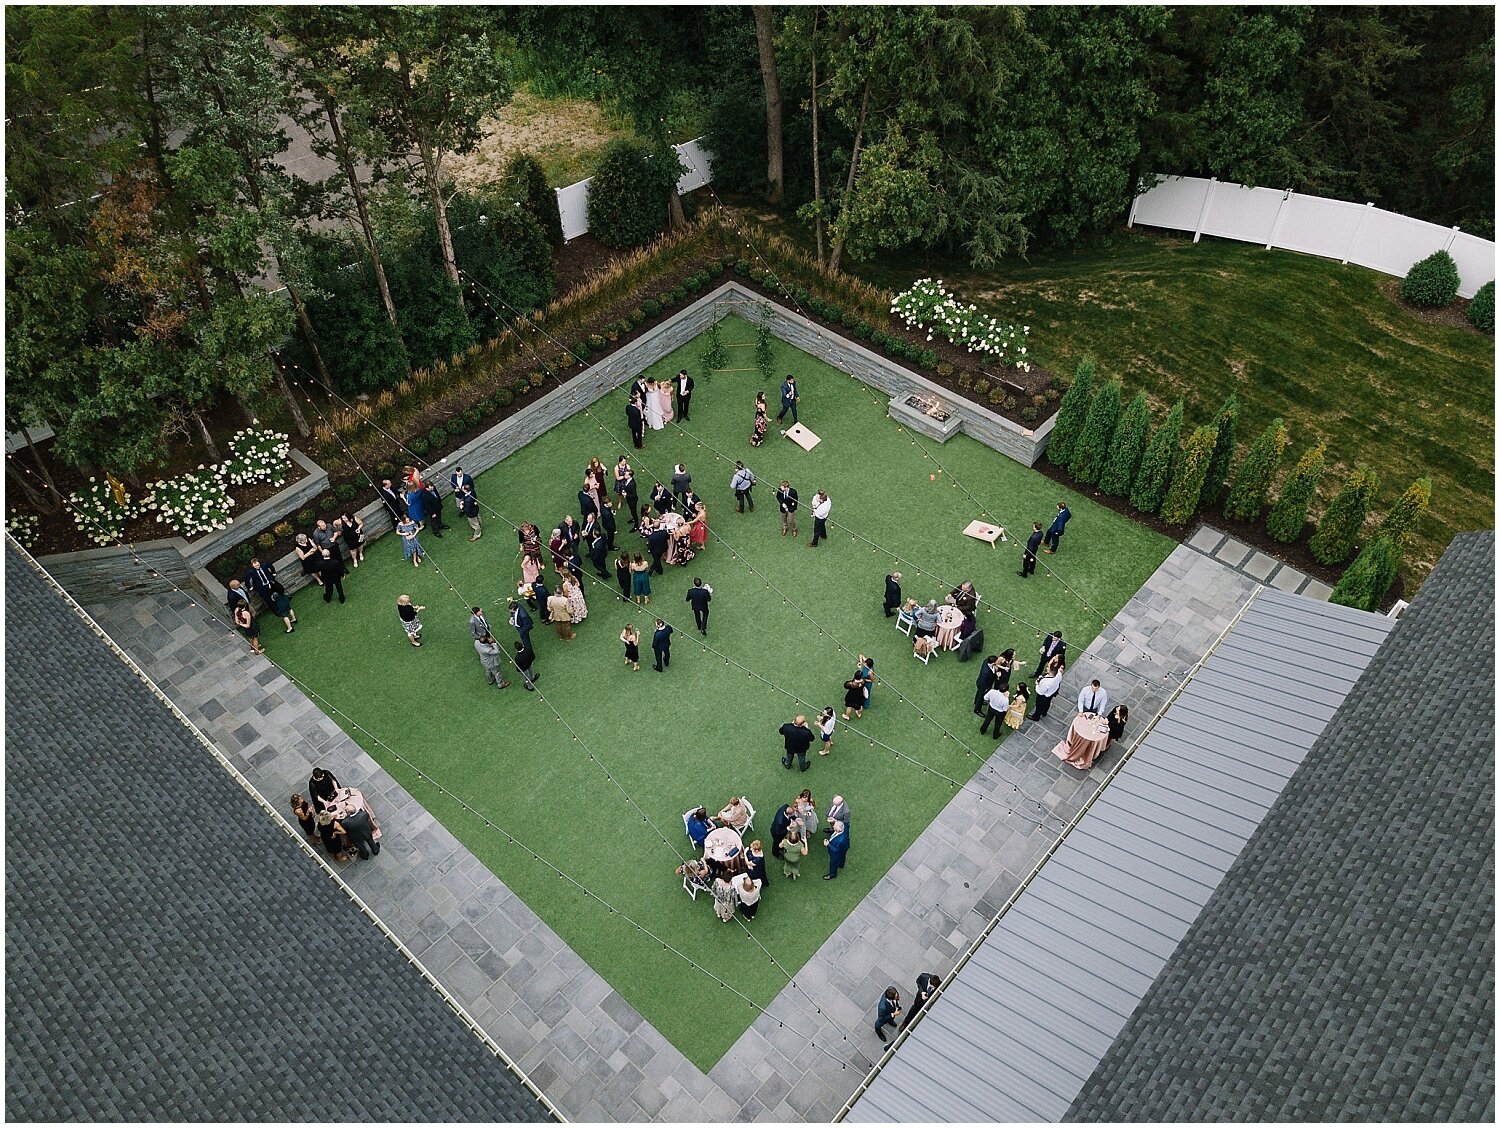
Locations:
{"points": [[531, 570], [652, 407], [664, 394], [698, 536]]}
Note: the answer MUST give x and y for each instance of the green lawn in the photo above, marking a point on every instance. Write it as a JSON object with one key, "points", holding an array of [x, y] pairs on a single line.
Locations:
{"points": [[705, 729], [1311, 340]]}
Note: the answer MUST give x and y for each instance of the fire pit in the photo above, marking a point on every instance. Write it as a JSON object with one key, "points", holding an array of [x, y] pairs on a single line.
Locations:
{"points": [[925, 414]]}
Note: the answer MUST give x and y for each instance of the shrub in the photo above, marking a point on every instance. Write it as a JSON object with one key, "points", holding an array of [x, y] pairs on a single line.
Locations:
{"points": [[245, 553], [596, 342], [742, 266], [1218, 466], [1071, 415], [1028, 415], [1187, 482], [997, 397], [417, 445], [1370, 576], [25, 527], [715, 268], [101, 511], [581, 351], [945, 370], [651, 307], [965, 381], [437, 436], [266, 540], [192, 503], [1156, 464], [257, 455], [1091, 451], [536, 378], [282, 528], [474, 416], [527, 183], [1051, 395], [345, 491], [927, 358], [1431, 283], [981, 388], [1341, 525], [1129, 444], [1289, 514], [1481, 311], [928, 307], [1407, 511], [1247, 497], [864, 331], [628, 193], [637, 315], [306, 516]]}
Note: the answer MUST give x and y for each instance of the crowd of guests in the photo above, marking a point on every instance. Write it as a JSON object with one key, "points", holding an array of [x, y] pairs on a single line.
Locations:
{"points": [[337, 818]]}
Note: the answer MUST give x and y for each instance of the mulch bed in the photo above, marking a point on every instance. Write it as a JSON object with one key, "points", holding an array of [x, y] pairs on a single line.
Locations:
{"points": [[1454, 315]]}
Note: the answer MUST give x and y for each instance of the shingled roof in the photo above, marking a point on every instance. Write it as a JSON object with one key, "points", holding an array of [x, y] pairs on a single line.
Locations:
{"points": [[1345, 967], [170, 953]]}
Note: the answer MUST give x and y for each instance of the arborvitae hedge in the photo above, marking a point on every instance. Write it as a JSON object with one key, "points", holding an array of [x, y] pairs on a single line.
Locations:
{"points": [[1341, 525], [1369, 577], [1156, 464], [1481, 311], [1187, 481], [1131, 437], [1071, 414], [1091, 451], [1289, 514], [1247, 497], [628, 193], [526, 182], [1407, 511], [1227, 421]]}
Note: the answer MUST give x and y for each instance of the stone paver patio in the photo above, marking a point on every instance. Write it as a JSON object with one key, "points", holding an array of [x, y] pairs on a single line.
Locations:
{"points": [[576, 1037], [1259, 566]]}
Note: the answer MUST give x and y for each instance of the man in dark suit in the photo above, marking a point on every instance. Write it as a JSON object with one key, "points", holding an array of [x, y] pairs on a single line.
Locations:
{"points": [[260, 576], [525, 661], [892, 593], [479, 624], [520, 618], [540, 594], [393, 499], [786, 502], [627, 490], [656, 544], [607, 523], [1055, 530], [789, 398], [684, 387], [637, 424], [661, 645], [1028, 558], [598, 547], [797, 738], [1053, 646], [682, 483], [700, 595], [779, 827], [458, 479], [985, 682], [333, 572], [432, 509], [887, 1012], [927, 985]]}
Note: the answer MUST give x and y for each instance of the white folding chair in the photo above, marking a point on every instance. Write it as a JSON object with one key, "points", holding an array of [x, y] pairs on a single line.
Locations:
{"points": [[749, 822], [692, 888], [685, 816], [905, 622], [924, 655]]}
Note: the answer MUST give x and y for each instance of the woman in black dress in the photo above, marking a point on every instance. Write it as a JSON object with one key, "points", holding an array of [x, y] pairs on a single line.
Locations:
{"points": [[622, 575], [1118, 716], [352, 533], [854, 697], [244, 618], [1004, 668], [322, 787], [310, 555]]}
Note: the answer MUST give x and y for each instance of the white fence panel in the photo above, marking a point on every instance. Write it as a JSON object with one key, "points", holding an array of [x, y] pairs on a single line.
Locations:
{"points": [[1176, 201], [1316, 226], [573, 202], [1391, 242], [1247, 214], [1336, 229], [1476, 262]]}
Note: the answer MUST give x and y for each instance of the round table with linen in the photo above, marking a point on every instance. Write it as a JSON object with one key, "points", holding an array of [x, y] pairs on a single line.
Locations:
{"points": [[949, 620], [1087, 737], [722, 843]]}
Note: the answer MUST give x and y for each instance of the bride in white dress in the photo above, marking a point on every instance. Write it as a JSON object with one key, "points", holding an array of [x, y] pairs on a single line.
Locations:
{"points": [[654, 418]]}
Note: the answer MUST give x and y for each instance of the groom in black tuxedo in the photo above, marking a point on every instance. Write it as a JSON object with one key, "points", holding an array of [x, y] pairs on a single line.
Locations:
{"points": [[684, 386]]}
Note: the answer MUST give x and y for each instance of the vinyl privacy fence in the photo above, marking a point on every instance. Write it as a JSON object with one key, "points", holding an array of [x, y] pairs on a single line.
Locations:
{"points": [[1280, 218], [573, 201]]}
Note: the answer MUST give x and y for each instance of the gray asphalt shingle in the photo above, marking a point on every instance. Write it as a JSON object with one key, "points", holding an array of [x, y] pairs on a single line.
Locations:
{"points": [[170, 953]]}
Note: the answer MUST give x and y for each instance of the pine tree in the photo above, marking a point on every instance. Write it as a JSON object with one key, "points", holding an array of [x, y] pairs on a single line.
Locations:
{"points": [[1218, 466], [1091, 451], [1247, 497], [1289, 514], [1156, 465], [1342, 524], [1187, 482], [1130, 443], [1370, 576], [1071, 413], [1407, 511]]}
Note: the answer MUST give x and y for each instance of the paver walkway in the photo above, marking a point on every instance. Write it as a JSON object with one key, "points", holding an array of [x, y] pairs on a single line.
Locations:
{"points": [[1252, 562], [577, 1038]]}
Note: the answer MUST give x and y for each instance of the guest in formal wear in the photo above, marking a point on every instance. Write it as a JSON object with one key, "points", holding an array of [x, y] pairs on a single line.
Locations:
{"points": [[698, 532], [306, 817], [489, 657], [1028, 558], [432, 509], [700, 595], [761, 423], [742, 482], [927, 985], [1118, 717], [244, 618], [578, 610], [724, 899], [827, 721], [632, 640], [407, 612], [791, 849], [322, 786], [1046, 689], [1006, 665], [281, 604], [640, 580], [560, 615], [1053, 646], [1055, 530], [654, 417], [520, 618], [607, 524], [838, 811], [734, 814], [789, 398], [838, 849], [683, 385], [892, 593], [352, 536], [988, 676], [681, 483], [664, 397], [479, 623], [636, 421], [332, 573], [887, 1012], [785, 818], [786, 503], [755, 863], [661, 645], [310, 555], [797, 740], [927, 620], [698, 826], [748, 891], [629, 497], [1093, 698], [260, 577], [822, 507], [997, 704], [854, 698], [392, 499], [622, 574], [526, 662], [598, 552], [807, 812], [662, 500], [657, 542]]}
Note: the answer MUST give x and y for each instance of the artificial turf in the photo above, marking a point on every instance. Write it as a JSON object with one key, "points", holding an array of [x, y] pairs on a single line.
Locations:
{"points": [[705, 729]]}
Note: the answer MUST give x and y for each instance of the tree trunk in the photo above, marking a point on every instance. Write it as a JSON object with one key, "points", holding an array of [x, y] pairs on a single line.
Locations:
{"points": [[304, 323], [208, 440], [367, 228], [675, 217], [41, 466], [817, 164], [859, 130], [772, 84], [433, 167], [291, 401], [38, 500]]}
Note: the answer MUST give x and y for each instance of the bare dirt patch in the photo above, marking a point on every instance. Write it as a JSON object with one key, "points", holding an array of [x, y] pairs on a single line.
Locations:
{"points": [[563, 134]]}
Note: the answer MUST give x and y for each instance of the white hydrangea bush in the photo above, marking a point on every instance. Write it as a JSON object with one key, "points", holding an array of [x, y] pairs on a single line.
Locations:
{"points": [[258, 455], [98, 513], [926, 305], [191, 503]]}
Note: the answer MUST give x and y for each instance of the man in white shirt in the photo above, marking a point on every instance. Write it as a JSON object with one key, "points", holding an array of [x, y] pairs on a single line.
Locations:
{"points": [[1093, 699], [997, 702], [1046, 689], [822, 506]]}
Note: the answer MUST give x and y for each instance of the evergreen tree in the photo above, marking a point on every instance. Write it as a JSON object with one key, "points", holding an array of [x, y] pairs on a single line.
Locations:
{"points": [[1289, 514], [1370, 576], [1247, 497], [1156, 465], [1218, 466], [526, 183], [1071, 414], [1187, 482], [1341, 525], [1407, 511], [1091, 451], [1129, 444]]}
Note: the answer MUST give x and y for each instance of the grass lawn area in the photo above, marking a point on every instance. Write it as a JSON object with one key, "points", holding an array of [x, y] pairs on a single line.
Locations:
{"points": [[1316, 342], [705, 729]]}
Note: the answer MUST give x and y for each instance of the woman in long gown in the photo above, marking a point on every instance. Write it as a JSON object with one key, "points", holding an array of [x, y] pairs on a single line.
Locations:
{"points": [[758, 430], [531, 568], [699, 535], [578, 610], [653, 407], [664, 394]]}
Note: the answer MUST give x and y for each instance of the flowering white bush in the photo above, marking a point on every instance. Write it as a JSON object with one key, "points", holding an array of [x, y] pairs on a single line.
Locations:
{"points": [[926, 305], [257, 455], [191, 503], [98, 514], [24, 527]]}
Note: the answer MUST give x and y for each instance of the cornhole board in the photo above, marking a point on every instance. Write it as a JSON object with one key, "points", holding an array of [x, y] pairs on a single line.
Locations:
{"points": [[802, 436], [982, 530]]}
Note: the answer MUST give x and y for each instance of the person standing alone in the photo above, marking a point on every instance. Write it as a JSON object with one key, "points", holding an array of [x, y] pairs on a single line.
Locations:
{"points": [[661, 645], [684, 386], [822, 507], [700, 595], [789, 398], [786, 501], [742, 483]]}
